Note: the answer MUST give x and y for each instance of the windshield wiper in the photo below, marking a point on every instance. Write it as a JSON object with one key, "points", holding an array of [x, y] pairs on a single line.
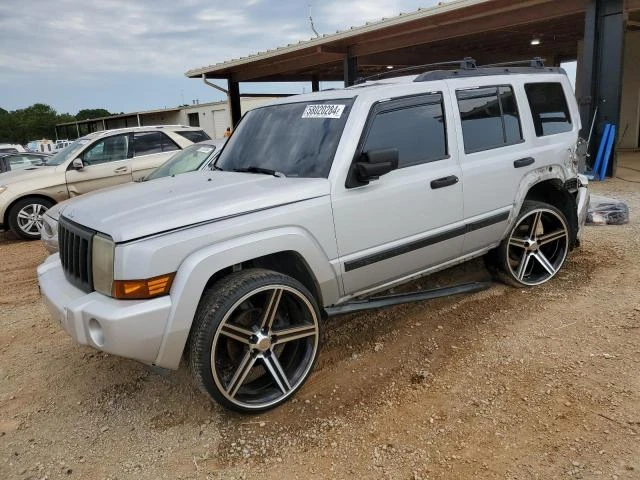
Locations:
{"points": [[265, 171]]}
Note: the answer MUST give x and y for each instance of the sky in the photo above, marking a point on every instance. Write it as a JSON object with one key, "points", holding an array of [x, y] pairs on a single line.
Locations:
{"points": [[129, 55]]}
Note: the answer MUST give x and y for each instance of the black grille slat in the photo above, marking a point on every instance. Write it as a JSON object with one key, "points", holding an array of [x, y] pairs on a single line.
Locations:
{"points": [[75, 253]]}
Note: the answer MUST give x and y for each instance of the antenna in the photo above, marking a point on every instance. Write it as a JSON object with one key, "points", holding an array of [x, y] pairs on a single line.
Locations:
{"points": [[313, 27]]}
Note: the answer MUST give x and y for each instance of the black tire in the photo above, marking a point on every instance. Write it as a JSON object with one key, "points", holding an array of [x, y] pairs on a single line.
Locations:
{"points": [[227, 330], [34, 207], [539, 262]]}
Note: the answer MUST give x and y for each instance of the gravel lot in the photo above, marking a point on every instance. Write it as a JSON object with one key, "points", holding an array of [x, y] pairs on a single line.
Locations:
{"points": [[519, 384]]}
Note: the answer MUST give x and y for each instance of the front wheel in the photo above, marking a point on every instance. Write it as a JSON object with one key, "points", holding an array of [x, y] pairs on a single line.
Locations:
{"points": [[535, 249], [26, 217], [255, 340]]}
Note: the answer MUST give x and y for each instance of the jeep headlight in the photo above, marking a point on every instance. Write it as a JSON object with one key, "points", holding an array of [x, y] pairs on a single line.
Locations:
{"points": [[103, 250]]}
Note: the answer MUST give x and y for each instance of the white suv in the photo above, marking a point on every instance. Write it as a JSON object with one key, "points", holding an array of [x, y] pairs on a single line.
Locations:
{"points": [[95, 161], [317, 202]]}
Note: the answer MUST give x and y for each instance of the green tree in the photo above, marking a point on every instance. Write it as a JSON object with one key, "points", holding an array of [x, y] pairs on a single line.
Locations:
{"points": [[88, 113]]}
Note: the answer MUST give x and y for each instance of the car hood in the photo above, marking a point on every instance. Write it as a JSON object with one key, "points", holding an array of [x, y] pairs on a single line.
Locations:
{"points": [[14, 176], [137, 210]]}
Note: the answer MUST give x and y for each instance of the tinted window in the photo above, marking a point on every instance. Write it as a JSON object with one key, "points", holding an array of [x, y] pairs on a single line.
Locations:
{"points": [[19, 162], [195, 135], [548, 108], [510, 116], [417, 131], [297, 139], [168, 145], [147, 143], [108, 149], [489, 118]]}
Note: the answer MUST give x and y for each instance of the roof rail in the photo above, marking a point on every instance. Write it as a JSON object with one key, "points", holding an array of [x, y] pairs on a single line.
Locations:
{"points": [[467, 63], [535, 62]]}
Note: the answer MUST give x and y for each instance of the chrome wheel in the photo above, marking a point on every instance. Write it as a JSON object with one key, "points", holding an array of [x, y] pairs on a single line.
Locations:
{"points": [[264, 347], [537, 247], [30, 218]]}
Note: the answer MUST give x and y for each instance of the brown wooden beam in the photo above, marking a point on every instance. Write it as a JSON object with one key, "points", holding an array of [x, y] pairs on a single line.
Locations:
{"points": [[256, 72], [516, 16]]}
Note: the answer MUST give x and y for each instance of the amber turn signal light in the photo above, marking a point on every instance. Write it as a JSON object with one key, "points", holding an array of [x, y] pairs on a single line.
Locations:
{"points": [[142, 289]]}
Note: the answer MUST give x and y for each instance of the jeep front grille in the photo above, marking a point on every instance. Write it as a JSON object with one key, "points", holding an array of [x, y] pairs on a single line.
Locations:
{"points": [[75, 253]]}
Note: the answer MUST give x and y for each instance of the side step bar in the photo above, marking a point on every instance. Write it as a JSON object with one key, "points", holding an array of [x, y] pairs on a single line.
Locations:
{"points": [[398, 299]]}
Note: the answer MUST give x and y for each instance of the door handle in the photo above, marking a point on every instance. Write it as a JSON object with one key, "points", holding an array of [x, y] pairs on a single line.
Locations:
{"points": [[121, 170], [444, 182], [524, 162]]}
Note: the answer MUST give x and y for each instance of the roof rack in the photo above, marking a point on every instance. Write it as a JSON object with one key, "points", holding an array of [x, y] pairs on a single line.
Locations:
{"points": [[467, 63], [533, 66], [535, 62]]}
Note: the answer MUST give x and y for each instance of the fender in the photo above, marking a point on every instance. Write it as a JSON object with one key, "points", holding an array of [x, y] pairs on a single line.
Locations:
{"points": [[196, 270], [533, 177]]}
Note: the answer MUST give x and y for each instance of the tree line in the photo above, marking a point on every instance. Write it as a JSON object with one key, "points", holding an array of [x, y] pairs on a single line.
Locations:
{"points": [[38, 121]]}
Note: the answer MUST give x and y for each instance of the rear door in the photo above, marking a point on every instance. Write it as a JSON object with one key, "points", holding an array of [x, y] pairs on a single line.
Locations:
{"points": [[106, 162], [411, 218], [494, 158], [150, 150]]}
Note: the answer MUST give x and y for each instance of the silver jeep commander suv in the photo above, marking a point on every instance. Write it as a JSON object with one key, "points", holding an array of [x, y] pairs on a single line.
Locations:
{"points": [[317, 201]]}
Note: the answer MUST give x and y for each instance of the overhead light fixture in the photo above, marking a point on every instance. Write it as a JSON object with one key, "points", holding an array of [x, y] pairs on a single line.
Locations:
{"points": [[535, 41], [389, 67]]}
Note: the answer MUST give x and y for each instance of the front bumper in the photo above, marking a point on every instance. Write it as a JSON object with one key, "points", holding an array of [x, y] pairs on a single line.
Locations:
{"points": [[127, 328], [582, 201]]}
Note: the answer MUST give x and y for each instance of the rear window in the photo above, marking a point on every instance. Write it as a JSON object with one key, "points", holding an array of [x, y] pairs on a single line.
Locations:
{"points": [[148, 143], [489, 118], [194, 135], [549, 108]]}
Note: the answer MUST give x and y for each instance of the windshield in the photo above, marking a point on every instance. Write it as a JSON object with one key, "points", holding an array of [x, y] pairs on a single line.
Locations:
{"points": [[187, 160], [296, 139], [66, 153]]}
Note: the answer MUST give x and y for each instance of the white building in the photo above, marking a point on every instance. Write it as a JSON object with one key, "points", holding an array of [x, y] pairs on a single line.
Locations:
{"points": [[213, 118]]}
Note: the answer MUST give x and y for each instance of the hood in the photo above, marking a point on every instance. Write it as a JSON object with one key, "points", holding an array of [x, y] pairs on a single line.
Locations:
{"points": [[14, 176], [137, 210]]}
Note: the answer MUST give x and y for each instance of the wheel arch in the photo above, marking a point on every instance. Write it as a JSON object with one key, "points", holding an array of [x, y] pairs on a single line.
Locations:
{"points": [[546, 184], [552, 191], [5, 219], [288, 251]]}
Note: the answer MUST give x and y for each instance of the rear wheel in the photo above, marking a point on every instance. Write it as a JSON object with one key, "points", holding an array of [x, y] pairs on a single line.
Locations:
{"points": [[535, 249], [26, 217], [255, 340]]}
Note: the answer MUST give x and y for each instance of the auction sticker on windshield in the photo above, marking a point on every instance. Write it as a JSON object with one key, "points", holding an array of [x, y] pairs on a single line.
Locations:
{"points": [[323, 111]]}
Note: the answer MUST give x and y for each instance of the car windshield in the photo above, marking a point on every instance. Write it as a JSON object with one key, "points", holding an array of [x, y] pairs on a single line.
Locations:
{"points": [[66, 153], [294, 139], [187, 160]]}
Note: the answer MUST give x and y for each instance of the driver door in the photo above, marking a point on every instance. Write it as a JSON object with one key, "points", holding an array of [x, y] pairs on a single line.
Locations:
{"points": [[107, 162], [411, 218]]}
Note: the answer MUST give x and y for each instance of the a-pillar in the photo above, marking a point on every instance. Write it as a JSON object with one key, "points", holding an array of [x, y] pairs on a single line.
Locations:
{"points": [[315, 83]]}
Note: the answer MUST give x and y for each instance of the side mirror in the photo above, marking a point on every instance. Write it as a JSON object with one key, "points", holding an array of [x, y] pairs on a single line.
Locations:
{"points": [[375, 163], [77, 164]]}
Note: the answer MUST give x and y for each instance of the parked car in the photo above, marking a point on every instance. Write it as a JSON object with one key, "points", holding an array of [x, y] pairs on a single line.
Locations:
{"points": [[11, 148], [199, 156], [320, 201], [95, 161], [21, 161]]}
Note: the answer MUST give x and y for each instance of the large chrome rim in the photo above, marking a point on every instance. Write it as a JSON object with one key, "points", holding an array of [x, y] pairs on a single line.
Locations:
{"points": [[538, 246], [264, 347], [30, 218]]}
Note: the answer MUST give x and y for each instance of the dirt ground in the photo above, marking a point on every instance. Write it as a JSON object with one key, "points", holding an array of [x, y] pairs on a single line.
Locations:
{"points": [[540, 383]]}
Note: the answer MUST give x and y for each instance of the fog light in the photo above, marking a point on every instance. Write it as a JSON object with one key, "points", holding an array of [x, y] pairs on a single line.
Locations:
{"points": [[95, 332]]}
